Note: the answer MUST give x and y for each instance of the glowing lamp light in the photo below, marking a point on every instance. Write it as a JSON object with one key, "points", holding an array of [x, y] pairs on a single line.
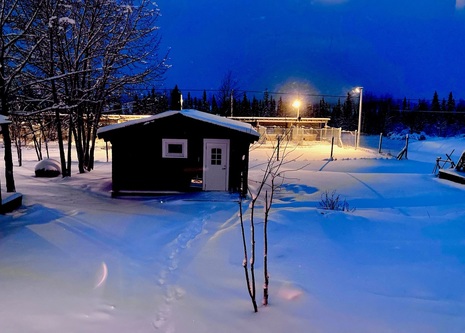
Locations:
{"points": [[296, 104]]}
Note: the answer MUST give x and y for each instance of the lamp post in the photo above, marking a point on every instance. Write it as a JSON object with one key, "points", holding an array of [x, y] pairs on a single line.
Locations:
{"points": [[360, 91], [296, 104]]}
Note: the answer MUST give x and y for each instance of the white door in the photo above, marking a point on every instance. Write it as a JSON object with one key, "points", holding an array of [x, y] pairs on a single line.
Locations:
{"points": [[215, 165]]}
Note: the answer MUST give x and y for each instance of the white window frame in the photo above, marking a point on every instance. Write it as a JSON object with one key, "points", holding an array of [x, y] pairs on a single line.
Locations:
{"points": [[167, 142]]}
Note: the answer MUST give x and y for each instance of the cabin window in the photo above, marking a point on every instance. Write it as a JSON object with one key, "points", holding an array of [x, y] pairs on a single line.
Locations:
{"points": [[216, 156], [174, 148]]}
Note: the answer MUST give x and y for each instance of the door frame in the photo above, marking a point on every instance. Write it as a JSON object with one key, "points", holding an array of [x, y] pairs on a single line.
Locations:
{"points": [[206, 157]]}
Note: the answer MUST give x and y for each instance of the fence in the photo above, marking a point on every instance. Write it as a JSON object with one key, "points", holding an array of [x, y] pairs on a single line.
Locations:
{"points": [[300, 135], [349, 138]]}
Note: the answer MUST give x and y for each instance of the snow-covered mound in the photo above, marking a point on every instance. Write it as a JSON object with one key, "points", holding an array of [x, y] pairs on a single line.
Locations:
{"points": [[48, 168]]}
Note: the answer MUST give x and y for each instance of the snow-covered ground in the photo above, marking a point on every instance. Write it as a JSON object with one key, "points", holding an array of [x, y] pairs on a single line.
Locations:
{"points": [[73, 259]]}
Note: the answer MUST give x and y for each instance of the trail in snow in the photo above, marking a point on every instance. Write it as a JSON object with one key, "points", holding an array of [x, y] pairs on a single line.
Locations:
{"points": [[166, 280]]}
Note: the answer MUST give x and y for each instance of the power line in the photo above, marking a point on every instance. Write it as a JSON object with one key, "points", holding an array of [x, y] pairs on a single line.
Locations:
{"points": [[368, 96], [240, 91]]}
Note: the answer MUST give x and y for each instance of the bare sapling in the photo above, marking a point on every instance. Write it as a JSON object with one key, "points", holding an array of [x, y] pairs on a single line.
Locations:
{"points": [[266, 276], [269, 184], [250, 282]]}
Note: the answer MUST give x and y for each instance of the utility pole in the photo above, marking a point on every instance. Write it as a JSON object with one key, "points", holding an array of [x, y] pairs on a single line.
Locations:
{"points": [[360, 90], [232, 102]]}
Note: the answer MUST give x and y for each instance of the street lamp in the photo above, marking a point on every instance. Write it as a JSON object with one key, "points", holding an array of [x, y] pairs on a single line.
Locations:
{"points": [[359, 90], [296, 104]]}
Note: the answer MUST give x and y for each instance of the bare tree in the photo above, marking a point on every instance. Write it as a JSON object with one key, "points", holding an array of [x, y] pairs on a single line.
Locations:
{"points": [[228, 92], [26, 128], [16, 23], [93, 51]]}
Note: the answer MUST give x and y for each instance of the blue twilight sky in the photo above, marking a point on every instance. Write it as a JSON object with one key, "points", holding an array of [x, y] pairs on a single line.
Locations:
{"points": [[404, 48]]}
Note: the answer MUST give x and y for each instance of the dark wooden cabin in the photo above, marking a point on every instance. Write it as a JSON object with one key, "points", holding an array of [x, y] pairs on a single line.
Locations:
{"points": [[179, 151]]}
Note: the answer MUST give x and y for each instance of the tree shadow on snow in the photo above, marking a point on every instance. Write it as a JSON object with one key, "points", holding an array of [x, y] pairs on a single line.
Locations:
{"points": [[299, 188], [26, 215]]}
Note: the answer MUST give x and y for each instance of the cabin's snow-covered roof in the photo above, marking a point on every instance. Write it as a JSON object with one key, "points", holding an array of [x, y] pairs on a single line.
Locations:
{"points": [[194, 114]]}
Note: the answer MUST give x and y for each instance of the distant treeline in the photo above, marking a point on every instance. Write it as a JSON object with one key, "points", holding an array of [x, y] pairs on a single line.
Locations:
{"points": [[436, 116]]}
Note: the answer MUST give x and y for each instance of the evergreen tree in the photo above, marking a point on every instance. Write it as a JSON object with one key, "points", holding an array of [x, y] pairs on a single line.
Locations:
{"points": [[280, 108], [136, 105], [162, 103], [175, 98], [443, 105], [348, 113], [273, 111], [196, 104], [309, 111], [205, 106], [324, 109], [214, 109], [260, 108], [422, 105], [435, 106], [245, 105], [336, 115], [460, 106], [153, 101], [450, 103], [255, 107], [144, 104], [188, 104], [266, 104], [405, 104], [421, 119]]}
